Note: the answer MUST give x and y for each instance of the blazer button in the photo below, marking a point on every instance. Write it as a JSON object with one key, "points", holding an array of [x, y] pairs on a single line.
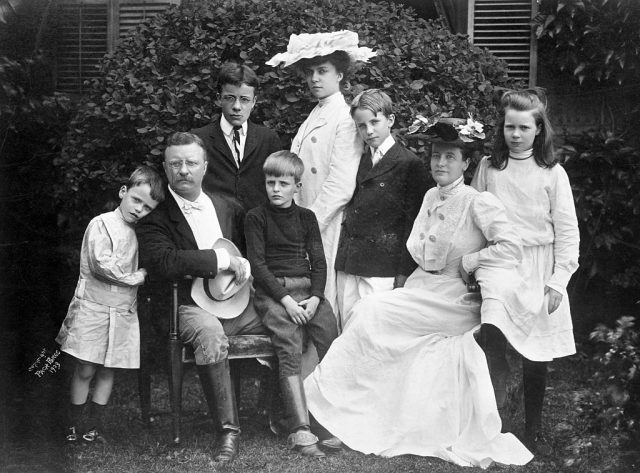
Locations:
{"points": [[432, 238], [314, 170], [356, 211], [382, 184], [314, 139], [442, 198], [441, 217]]}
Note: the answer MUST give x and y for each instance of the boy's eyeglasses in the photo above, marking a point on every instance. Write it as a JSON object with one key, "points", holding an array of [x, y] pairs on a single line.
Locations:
{"points": [[177, 165], [231, 99]]}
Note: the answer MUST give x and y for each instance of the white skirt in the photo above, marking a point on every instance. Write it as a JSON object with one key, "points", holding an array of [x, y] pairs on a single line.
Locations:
{"points": [[546, 336], [407, 377]]}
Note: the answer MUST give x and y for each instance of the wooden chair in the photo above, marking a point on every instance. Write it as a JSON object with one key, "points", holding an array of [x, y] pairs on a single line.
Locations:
{"points": [[240, 347]]}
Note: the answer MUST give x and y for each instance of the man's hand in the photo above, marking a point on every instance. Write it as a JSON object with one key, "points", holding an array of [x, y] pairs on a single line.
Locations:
{"points": [[555, 298], [310, 305], [297, 314], [240, 267]]}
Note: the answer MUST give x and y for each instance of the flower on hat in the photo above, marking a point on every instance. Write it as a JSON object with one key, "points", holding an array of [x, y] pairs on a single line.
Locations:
{"points": [[448, 129], [307, 46], [470, 131]]}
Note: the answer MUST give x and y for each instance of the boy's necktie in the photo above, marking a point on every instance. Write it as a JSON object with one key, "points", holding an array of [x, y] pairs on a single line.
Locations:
{"points": [[236, 143]]}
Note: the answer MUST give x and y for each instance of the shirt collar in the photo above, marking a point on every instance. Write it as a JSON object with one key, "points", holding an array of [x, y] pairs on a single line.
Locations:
{"points": [[451, 189], [386, 145], [182, 202], [227, 128], [331, 98]]}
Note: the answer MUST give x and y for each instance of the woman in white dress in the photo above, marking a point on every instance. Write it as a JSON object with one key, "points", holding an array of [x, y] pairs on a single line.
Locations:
{"points": [[327, 141], [407, 376]]}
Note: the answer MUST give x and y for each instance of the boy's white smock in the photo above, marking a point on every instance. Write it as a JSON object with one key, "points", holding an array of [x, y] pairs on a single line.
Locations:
{"points": [[102, 321]]}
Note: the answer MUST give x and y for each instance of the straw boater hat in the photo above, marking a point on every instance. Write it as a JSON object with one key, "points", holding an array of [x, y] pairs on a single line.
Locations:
{"points": [[457, 131], [221, 296], [307, 46]]}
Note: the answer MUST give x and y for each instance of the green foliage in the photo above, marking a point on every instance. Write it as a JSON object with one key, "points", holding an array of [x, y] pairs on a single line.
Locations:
{"points": [[605, 178], [595, 40], [163, 78], [614, 400]]}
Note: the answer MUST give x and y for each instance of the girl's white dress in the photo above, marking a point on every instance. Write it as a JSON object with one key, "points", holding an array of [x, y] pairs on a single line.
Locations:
{"points": [[407, 376], [101, 325], [540, 204], [329, 145]]}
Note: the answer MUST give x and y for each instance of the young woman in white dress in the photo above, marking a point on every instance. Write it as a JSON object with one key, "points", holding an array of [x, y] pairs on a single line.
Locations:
{"points": [[524, 175], [407, 376], [327, 141]]}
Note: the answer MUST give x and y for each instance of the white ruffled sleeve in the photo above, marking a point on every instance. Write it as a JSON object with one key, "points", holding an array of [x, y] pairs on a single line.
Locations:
{"points": [[566, 244], [479, 181], [503, 248]]}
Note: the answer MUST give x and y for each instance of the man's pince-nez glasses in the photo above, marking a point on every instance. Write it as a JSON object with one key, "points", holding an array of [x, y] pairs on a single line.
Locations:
{"points": [[231, 99], [177, 165]]}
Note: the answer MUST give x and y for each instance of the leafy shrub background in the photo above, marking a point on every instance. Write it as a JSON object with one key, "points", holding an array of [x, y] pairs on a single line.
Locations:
{"points": [[613, 400], [595, 40], [605, 176], [163, 78]]}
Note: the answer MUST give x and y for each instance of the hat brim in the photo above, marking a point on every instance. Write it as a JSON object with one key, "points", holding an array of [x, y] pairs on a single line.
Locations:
{"points": [[236, 297], [223, 309], [308, 46]]}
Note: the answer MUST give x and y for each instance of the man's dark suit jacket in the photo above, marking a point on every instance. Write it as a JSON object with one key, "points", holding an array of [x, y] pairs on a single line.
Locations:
{"points": [[168, 249], [380, 215], [223, 176]]}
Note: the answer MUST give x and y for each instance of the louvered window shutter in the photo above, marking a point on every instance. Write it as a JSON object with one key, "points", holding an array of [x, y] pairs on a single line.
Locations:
{"points": [[504, 28], [87, 29], [82, 41], [132, 12]]}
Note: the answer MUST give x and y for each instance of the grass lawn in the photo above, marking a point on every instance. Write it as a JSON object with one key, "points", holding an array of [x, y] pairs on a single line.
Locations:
{"points": [[37, 447]]}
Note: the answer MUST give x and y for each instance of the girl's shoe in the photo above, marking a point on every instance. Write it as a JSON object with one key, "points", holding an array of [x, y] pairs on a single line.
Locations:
{"points": [[93, 436], [71, 437]]}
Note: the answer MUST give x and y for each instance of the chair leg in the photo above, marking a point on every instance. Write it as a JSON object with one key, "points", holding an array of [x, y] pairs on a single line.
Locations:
{"points": [[144, 392], [175, 386]]}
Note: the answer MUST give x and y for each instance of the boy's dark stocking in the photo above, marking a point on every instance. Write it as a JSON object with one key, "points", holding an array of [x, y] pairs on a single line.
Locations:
{"points": [[75, 417], [534, 375], [94, 429], [301, 439]]}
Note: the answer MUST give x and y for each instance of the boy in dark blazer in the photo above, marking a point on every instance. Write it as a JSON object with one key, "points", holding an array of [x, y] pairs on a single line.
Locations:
{"points": [[236, 147], [390, 185]]}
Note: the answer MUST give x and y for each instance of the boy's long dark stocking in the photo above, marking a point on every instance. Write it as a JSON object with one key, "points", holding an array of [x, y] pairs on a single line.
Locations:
{"points": [[96, 415], [75, 414], [534, 375]]}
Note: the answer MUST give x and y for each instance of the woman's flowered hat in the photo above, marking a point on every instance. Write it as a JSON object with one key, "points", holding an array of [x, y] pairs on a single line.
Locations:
{"points": [[449, 130], [307, 46]]}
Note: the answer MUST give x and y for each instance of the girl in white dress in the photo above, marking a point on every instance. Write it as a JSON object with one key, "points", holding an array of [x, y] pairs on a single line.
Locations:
{"points": [[327, 141], [101, 329], [536, 192], [407, 376]]}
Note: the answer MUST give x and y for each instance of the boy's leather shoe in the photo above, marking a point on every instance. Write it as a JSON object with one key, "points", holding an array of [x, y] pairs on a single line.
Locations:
{"points": [[227, 446], [93, 436], [305, 443], [331, 445]]}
